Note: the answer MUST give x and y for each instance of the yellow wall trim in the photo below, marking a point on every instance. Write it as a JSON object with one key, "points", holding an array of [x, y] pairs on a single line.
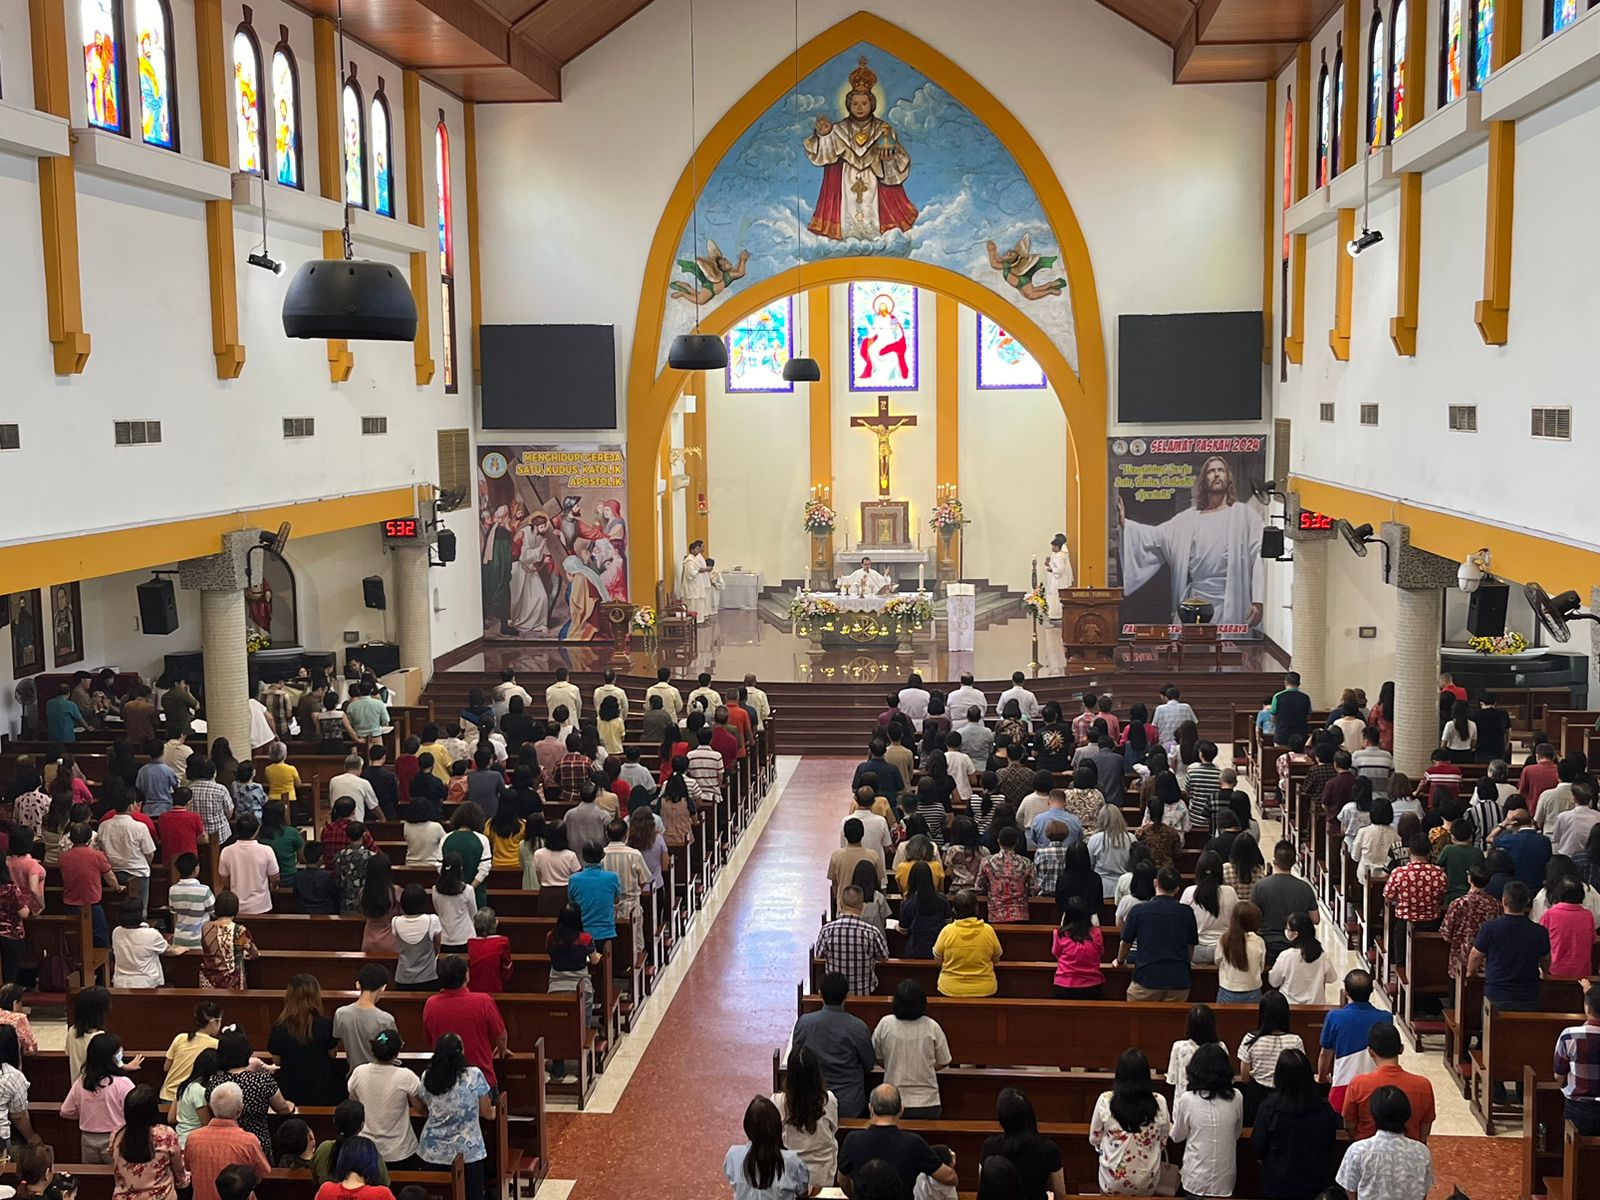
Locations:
{"points": [[947, 392], [417, 214], [1519, 555], [222, 268], [58, 193], [93, 555], [1082, 393], [1403, 328], [1493, 313], [1416, 101], [697, 524], [340, 360], [819, 345], [664, 473], [1343, 287], [1355, 87], [1294, 346]]}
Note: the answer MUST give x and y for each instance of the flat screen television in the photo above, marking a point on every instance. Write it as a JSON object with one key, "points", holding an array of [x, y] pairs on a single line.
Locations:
{"points": [[1187, 367], [549, 376]]}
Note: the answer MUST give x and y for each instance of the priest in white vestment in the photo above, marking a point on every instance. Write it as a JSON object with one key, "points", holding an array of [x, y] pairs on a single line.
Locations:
{"points": [[694, 581], [1213, 549], [865, 581], [1057, 575]]}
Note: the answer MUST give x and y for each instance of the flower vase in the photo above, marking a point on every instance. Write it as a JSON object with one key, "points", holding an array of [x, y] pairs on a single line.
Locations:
{"points": [[948, 566]]}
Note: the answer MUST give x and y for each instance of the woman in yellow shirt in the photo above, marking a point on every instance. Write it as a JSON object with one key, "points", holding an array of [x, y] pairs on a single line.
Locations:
{"points": [[279, 776], [967, 950], [919, 848], [504, 832]]}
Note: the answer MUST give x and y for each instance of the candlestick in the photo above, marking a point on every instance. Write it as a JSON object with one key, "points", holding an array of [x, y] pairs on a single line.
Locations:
{"points": [[921, 567]]}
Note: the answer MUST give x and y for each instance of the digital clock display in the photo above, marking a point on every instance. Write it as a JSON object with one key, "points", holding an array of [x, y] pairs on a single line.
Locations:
{"points": [[1311, 522], [401, 529]]}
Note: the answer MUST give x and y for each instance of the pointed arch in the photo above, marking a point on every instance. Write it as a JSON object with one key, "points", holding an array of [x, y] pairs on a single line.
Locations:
{"points": [[381, 136], [158, 97], [1453, 40], [1399, 47], [353, 137], [447, 253], [105, 88], [1377, 81], [287, 162], [1082, 393], [1324, 119], [1336, 136], [249, 135]]}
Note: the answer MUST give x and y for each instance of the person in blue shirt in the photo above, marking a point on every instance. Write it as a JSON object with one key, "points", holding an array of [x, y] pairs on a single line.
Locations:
{"points": [[1344, 1037], [1528, 849], [155, 782], [595, 890], [885, 773], [1056, 814], [62, 717], [1166, 934]]}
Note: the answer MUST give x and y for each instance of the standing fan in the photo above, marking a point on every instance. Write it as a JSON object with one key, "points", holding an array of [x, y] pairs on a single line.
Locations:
{"points": [[1555, 614], [27, 697]]}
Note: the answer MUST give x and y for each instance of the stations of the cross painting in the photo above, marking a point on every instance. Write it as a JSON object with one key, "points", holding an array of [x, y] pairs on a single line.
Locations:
{"points": [[883, 426]]}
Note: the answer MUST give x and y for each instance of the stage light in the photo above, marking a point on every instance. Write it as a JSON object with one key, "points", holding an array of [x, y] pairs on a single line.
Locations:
{"points": [[1362, 242], [266, 262]]}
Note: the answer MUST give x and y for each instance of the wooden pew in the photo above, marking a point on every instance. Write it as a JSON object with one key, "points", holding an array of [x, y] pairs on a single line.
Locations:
{"points": [[1580, 1168], [1020, 980], [1543, 1119], [1068, 1033], [1425, 975], [1021, 943], [95, 1182], [1464, 1021], [1511, 1040]]}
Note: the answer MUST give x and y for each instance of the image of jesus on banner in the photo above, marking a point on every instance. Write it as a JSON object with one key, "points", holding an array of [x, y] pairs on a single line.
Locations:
{"points": [[864, 168]]}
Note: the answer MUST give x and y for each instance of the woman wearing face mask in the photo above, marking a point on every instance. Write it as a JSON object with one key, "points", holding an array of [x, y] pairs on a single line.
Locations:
{"points": [[95, 1100]]}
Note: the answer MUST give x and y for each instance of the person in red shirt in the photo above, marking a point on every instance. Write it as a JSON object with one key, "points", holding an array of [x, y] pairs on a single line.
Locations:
{"points": [[616, 784], [724, 740], [355, 1173], [743, 726], [135, 810], [1449, 687], [407, 765], [1539, 776], [1415, 892], [179, 830], [488, 955], [1383, 1043], [471, 1015], [85, 874], [1571, 929], [336, 833]]}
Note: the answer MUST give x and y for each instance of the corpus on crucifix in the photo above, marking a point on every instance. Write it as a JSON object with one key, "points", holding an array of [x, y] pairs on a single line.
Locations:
{"points": [[883, 425]]}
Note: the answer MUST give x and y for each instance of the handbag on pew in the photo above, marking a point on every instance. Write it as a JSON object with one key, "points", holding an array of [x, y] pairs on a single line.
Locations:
{"points": [[1167, 1178], [55, 967]]}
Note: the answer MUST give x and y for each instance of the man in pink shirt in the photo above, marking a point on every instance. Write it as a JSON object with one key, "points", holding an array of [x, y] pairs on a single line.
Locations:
{"points": [[222, 1143], [1571, 929], [247, 868]]}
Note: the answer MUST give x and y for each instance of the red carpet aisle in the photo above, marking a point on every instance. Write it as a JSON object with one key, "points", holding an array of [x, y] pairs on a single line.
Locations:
{"points": [[1484, 1168], [713, 1049]]}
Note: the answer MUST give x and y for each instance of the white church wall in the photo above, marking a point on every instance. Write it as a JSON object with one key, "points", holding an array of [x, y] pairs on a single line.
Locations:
{"points": [[1358, 596]]}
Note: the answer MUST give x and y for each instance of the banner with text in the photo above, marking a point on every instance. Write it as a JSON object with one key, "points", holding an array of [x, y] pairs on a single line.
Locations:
{"points": [[1185, 529], [552, 540]]}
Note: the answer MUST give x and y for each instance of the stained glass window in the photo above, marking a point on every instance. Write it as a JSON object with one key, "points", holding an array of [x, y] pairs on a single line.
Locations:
{"points": [[101, 22], [355, 170], [1003, 362], [758, 348], [1561, 13], [1377, 75], [248, 132], [1451, 48], [1337, 137], [156, 97], [883, 337], [1324, 125], [382, 149], [447, 252], [1482, 41], [1288, 166], [286, 117], [1398, 33]]}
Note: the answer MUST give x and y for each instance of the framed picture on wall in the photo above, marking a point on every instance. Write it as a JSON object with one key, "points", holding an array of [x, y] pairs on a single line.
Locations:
{"points": [[66, 623], [25, 610]]}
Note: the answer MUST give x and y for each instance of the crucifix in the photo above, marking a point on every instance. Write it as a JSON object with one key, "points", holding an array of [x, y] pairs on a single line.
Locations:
{"points": [[882, 426]]}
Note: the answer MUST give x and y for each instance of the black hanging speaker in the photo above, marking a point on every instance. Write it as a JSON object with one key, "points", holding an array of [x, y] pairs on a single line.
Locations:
{"points": [[1272, 542], [372, 591], [446, 546], [158, 607], [1486, 610]]}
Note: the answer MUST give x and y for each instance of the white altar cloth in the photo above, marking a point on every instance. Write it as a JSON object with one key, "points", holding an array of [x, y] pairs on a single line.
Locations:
{"points": [[865, 603]]}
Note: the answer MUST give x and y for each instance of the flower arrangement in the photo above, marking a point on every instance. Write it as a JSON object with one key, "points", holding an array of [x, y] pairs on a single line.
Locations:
{"points": [[818, 517], [1036, 603], [809, 604], [1511, 643], [947, 516], [912, 608], [644, 619], [255, 641]]}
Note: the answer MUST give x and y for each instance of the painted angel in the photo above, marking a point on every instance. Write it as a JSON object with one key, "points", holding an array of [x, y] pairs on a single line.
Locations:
{"points": [[712, 274], [1018, 266]]}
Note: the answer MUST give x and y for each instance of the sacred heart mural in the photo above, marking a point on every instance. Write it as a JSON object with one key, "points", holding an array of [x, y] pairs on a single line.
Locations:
{"points": [[869, 157]]}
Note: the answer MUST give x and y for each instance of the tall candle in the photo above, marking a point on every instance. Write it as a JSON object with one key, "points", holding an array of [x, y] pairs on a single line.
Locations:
{"points": [[921, 567]]}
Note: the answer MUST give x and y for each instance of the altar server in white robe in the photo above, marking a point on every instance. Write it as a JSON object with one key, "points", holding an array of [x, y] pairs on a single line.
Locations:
{"points": [[963, 698], [865, 581], [694, 581], [1057, 575]]}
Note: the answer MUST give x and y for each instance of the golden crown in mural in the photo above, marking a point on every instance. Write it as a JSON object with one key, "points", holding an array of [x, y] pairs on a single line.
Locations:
{"points": [[863, 78]]}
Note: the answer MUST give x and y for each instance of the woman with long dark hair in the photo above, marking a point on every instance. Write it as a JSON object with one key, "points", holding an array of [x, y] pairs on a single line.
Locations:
{"points": [[678, 796], [1245, 866], [572, 953], [95, 1100], [964, 853], [1141, 887], [303, 1043], [457, 1098], [90, 1008], [1201, 1030], [1212, 903], [810, 1115], [1078, 879], [875, 905], [1293, 1133], [1208, 1118], [1129, 1128], [1079, 949], [222, 757], [554, 862], [924, 911], [455, 904], [1163, 840], [1303, 971], [1259, 1051], [912, 1048], [1460, 734], [146, 1158], [611, 729], [1381, 715], [349, 1119], [1037, 1160], [260, 1087], [188, 1111], [357, 1171], [763, 1169], [379, 903]]}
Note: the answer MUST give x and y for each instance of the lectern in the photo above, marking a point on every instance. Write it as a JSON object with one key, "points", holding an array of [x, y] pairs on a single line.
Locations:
{"points": [[1091, 623]]}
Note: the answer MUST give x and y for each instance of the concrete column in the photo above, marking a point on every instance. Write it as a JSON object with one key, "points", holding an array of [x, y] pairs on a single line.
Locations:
{"points": [[1309, 601], [1416, 678], [413, 612], [222, 626]]}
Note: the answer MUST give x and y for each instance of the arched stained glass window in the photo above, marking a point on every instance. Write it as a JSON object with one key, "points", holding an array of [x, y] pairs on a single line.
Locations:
{"points": [[1452, 50], [447, 252], [1324, 124], [100, 24], [353, 134], [382, 155], [1397, 55], [1482, 42], [1377, 79], [286, 115], [758, 348], [157, 100], [249, 133], [1337, 137], [1559, 14]]}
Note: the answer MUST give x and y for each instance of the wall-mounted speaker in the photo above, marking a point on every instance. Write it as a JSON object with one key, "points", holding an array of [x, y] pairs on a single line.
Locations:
{"points": [[372, 591], [446, 546], [1272, 542], [158, 606], [1486, 611]]}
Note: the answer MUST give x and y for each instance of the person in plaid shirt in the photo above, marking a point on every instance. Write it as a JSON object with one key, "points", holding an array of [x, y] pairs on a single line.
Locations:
{"points": [[336, 833], [851, 946], [1005, 877], [208, 799], [574, 770], [1466, 916], [1050, 859], [1577, 1065], [1415, 892], [1089, 715]]}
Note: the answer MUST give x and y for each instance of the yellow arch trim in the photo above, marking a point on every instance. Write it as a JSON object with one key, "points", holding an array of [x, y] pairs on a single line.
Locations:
{"points": [[1082, 394]]}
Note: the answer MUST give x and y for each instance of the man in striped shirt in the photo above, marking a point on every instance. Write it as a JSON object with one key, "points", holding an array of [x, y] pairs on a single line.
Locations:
{"points": [[1203, 779], [190, 901], [706, 766]]}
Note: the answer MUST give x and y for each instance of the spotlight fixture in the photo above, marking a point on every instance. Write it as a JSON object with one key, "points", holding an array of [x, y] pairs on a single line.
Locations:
{"points": [[1556, 613], [1362, 242], [266, 262], [696, 352], [802, 370]]}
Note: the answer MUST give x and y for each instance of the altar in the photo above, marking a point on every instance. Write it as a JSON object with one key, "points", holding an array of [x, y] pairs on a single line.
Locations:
{"points": [[834, 620], [900, 563]]}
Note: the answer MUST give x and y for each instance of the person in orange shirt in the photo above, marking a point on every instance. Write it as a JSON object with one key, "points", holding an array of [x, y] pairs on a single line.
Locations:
{"points": [[1383, 1043], [739, 718]]}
